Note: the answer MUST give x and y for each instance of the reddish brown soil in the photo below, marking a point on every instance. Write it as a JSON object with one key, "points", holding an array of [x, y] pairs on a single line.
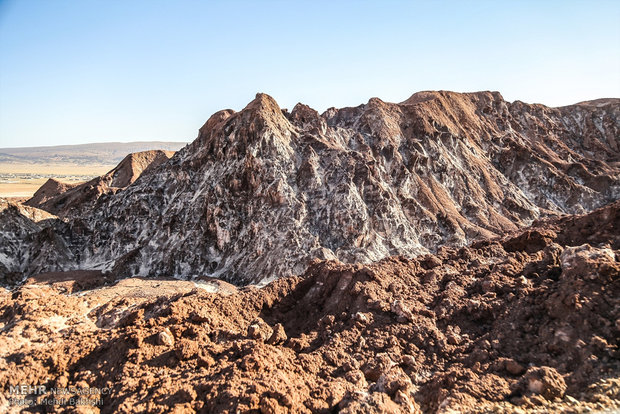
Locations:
{"points": [[530, 321]]}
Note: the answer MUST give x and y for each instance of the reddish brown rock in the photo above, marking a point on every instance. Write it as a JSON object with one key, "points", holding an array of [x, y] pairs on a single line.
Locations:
{"points": [[544, 381], [279, 335], [514, 367], [165, 337]]}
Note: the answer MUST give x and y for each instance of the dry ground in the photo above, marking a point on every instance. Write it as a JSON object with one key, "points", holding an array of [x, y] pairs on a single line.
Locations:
{"points": [[22, 180], [526, 323]]}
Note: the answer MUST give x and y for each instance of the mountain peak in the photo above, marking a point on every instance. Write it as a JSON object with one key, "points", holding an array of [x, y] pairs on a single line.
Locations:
{"points": [[424, 96], [263, 105], [134, 164]]}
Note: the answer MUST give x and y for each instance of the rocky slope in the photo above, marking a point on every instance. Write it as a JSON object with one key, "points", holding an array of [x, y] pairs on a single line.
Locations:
{"points": [[51, 189], [527, 321], [262, 192], [28, 243], [33, 241], [63, 199]]}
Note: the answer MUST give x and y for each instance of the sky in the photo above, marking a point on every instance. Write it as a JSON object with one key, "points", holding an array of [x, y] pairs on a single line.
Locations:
{"points": [[81, 71]]}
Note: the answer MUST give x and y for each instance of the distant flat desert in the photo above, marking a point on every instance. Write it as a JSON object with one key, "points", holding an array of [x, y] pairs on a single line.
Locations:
{"points": [[24, 170], [22, 180]]}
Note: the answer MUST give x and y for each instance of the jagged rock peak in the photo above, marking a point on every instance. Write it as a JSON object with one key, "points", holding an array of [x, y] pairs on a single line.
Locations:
{"points": [[424, 96], [262, 192], [303, 113], [214, 120], [263, 107], [264, 112], [264, 103], [134, 164], [73, 199], [228, 134], [307, 119], [376, 102]]}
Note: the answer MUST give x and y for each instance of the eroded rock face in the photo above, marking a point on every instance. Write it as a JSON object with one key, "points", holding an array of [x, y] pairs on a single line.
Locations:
{"points": [[28, 243], [49, 231], [70, 200], [499, 326], [262, 192]]}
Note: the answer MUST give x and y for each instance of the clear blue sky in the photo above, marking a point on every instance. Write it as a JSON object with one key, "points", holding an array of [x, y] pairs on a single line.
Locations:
{"points": [[78, 71]]}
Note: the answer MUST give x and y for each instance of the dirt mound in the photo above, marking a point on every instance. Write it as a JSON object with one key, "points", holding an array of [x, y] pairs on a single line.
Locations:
{"points": [[530, 320]]}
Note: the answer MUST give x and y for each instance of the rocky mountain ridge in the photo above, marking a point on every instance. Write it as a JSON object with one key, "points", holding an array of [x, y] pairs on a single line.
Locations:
{"points": [[60, 198], [261, 192]]}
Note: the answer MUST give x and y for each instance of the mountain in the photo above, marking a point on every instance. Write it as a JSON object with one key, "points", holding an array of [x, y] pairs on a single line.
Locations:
{"points": [[262, 192], [60, 198], [29, 233], [104, 153]]}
